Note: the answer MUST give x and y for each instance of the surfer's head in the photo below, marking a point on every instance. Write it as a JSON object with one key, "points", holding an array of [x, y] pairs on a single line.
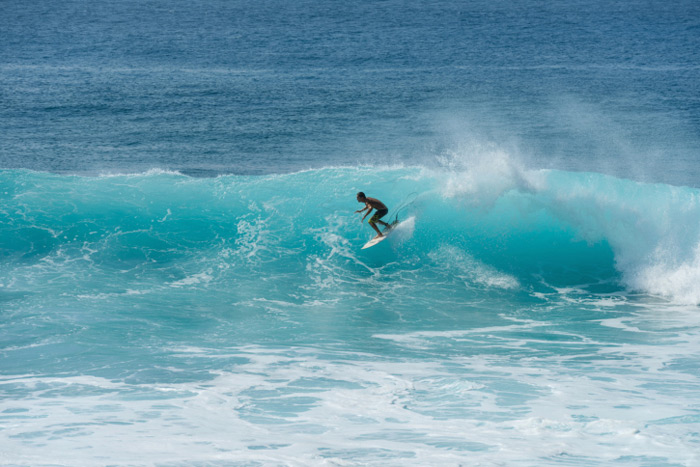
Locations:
{"points": [[361, 197]]}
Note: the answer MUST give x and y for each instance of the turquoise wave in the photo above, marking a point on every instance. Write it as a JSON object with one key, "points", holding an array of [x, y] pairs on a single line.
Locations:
{"points": [[506, 229]]}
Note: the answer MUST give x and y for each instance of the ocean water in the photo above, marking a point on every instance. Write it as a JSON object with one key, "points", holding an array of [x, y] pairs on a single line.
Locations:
{"points": [[181, 279]]}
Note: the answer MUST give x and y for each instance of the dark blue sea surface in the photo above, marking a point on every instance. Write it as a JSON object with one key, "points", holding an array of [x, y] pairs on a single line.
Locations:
{"points": [[210, 87], [181, 274]]}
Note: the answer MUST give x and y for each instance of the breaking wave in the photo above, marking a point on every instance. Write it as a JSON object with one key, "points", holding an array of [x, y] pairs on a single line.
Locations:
{"points": [[493, 228]]}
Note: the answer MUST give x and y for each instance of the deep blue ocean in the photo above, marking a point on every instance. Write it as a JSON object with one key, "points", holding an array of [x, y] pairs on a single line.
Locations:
{"points": [[181, 279]]}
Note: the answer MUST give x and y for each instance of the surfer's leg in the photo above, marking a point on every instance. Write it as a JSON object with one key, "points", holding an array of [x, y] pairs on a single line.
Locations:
{"points": [[378, 215], [375, 219], [374, 226]]}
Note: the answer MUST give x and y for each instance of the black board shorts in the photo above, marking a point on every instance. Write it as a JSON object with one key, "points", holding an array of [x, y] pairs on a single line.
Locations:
{"points": [[378, 215]]}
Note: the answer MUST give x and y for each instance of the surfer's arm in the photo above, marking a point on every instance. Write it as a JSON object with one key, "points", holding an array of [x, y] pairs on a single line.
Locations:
{"points": [[367, 214], [367, 206]]}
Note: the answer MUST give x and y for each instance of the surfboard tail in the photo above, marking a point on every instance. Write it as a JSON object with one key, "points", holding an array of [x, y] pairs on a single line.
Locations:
{"points": [[392, 225]]}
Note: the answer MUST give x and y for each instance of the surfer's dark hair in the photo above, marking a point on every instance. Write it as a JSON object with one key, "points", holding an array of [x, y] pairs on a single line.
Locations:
{"points": [[360, 194]]}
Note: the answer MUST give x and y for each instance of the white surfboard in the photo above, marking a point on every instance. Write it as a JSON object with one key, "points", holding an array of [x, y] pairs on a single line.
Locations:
{"points": [[374, 241], [385, 234]]}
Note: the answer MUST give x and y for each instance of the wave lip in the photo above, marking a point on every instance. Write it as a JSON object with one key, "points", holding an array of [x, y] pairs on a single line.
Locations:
{"points": [[653, 229]]}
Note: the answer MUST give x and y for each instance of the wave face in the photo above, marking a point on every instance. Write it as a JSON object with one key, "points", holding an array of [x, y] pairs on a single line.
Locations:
{"points": [[295, 235]]}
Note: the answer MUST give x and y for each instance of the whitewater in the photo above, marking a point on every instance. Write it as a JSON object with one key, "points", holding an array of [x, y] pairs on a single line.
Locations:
{"points": [[516, 316]]}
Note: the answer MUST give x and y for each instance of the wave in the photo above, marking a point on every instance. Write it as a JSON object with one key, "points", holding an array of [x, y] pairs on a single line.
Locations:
{"points": [[495, 226]]}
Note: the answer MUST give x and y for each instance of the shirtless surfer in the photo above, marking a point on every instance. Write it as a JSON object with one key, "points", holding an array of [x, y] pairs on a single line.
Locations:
{"points": [[381, 211]]}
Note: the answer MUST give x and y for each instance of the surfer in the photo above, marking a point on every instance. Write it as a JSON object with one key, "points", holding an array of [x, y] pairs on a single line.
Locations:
{"points": [[381, 211]]}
